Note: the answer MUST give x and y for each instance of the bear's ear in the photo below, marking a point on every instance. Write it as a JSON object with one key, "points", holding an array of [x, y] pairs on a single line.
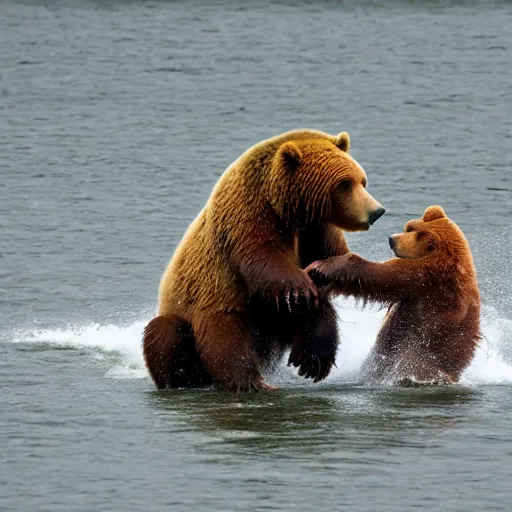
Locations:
{"points": [[343, 141], [289, 154], [433, 213]]}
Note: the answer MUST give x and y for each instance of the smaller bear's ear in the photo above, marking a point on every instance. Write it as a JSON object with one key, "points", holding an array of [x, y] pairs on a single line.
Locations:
{"points": [[290, 155], [343, 141], [433, 213]]}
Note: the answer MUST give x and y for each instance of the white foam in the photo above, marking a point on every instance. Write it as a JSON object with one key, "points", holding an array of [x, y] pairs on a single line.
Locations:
{"points": [[358, 329], [120, 346], [493, 360]]}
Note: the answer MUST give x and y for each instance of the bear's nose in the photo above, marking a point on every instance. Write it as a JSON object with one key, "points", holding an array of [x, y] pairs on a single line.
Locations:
{"points": [[391, 242], [376, 215]]}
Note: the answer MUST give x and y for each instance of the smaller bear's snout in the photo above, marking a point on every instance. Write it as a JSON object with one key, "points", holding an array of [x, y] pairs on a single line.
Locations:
{"points": [[376, 215], [391, 242]]}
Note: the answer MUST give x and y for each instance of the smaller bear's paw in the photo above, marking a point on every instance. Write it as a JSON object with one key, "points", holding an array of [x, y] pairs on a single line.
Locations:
{"points": [[318, 271], [328, 273]]}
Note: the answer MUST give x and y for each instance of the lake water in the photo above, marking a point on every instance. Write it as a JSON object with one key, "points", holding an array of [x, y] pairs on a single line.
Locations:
{"points": [[116, 119]]}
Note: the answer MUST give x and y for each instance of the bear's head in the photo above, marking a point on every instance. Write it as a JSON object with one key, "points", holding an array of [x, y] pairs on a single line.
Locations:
{"points": [[432, 236], [315, 180]]}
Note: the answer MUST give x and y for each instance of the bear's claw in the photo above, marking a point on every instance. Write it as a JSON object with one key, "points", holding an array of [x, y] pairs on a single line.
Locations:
{"points": [[295, 298]]}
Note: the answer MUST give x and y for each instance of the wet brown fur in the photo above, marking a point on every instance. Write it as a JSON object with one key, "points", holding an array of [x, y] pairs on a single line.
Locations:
{"points": [[234, 296], [432, 327]]}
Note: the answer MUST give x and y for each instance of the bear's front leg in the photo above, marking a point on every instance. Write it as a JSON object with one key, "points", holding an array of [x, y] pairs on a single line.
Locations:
{"points": [[314, 348], [275, 276], [225, 347]]}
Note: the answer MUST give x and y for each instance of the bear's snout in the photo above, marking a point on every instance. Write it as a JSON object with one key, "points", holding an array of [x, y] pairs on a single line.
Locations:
{"points": [[392, 242], [376, 215]]}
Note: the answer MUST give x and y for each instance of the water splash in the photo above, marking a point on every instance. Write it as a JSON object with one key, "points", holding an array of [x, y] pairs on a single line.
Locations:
{"points": [[493, 360], [120, 346]]}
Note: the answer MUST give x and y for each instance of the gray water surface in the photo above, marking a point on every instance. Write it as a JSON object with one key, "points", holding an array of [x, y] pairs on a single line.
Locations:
{"points": [[116, 119]]}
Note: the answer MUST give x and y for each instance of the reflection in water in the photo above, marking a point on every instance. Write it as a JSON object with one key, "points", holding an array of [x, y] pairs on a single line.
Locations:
{"points": [[341, 422]]}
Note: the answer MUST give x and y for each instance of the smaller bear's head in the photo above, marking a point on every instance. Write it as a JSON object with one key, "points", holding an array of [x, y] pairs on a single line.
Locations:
{"points": [[432, 236], [314, 179]]}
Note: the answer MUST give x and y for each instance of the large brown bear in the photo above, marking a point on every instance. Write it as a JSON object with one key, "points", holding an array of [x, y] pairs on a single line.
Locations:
{"points": [[432, 327], [235, 296]]}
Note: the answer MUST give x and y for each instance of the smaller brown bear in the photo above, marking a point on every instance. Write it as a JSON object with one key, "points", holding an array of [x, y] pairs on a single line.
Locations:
{"points": [[432, 328]]}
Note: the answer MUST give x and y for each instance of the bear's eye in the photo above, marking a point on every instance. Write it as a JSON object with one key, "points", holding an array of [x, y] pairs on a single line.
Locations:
{"points": [[430, 248], [345, 185], [364, 183], [408, 229]]}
